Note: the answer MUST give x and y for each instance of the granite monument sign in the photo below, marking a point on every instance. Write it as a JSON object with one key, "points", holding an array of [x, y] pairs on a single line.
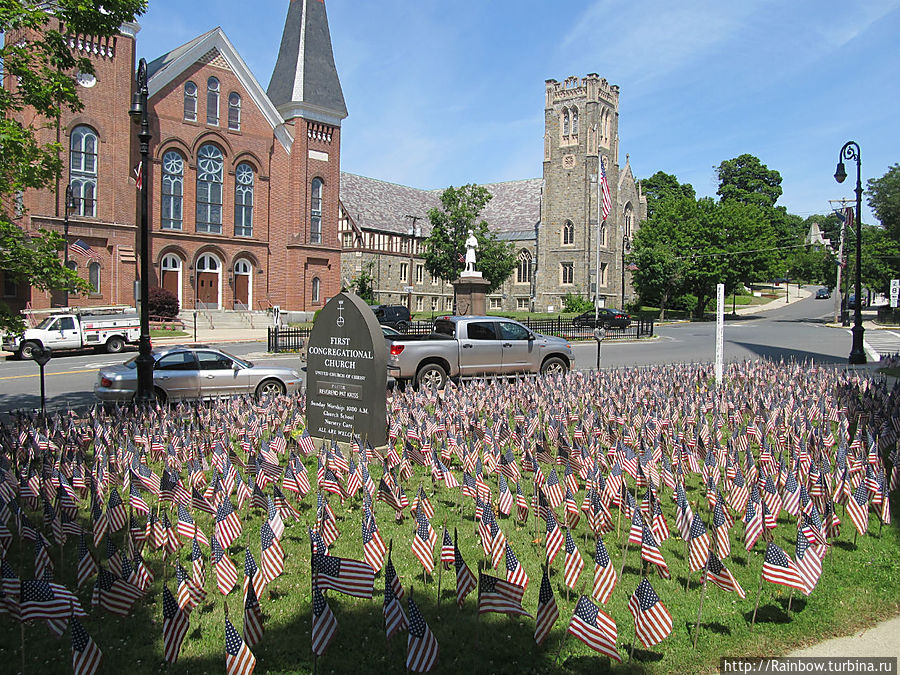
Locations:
{"points": [[346, 373]]}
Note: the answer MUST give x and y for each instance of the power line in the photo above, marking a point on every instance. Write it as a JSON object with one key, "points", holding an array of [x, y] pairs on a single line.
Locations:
{"points": [[755, 250]]}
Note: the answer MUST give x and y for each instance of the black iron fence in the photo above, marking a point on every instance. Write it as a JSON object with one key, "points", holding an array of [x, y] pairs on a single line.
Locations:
{"points": [[293, 339]]}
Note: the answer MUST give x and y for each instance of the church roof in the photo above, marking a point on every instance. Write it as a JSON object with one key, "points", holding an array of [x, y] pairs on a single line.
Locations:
{"points": [[375, 204], [305, 82]]}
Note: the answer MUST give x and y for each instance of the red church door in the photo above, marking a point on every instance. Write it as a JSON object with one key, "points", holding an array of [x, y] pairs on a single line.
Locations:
{"points": [[207, 290]]}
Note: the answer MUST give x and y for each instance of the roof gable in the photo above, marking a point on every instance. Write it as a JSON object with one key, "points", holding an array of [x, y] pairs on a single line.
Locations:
{"points": [[215, 47]]}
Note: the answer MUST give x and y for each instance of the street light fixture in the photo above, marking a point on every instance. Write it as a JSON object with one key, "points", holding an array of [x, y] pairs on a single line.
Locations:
{"points": [[626, 247], [140, 115], [69, 206], [850, 151]]}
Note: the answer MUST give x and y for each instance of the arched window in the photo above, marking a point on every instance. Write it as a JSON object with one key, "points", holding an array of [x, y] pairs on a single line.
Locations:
{"points": [[316, 290], [243, 200], [172, 190], [208, 263], [523, 271], [574, 121], [190, 102], [629, 219], [242, 267], [234, 111], [568, 233], [212, 101], [83, 170], [171, 262], [210, 166], [565, 121], [94, 277], [315, 212]]}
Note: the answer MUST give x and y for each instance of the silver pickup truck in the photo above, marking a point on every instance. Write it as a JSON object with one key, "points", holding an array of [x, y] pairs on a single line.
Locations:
{"points": [[473, 346]]}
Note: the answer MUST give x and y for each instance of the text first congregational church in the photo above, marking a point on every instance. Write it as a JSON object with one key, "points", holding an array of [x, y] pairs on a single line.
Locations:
{"points": [[249, 207]]}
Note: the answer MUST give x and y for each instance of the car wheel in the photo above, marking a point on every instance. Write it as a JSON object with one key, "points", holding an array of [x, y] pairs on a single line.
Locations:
{"points": [[268, 388], [554, 366], [26, 351], [115, 345], [402, 326], [431, 376], [160, 395]]}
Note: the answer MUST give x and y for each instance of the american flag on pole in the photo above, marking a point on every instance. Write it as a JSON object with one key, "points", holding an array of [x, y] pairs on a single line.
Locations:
{"points": [[698, 543], [272, 553], [46, 600], [652, 621], [175, 626], [547, 611], [465, 580], [515, 573], [808, 561], [353, 577], [324, 625], [86, 655], [139, 175], [651, 553], [496, 595], [421, 645], [81, 247], [778, 568], [606, 199], [604, 573], [554, 538], [226, 572], [228, 525], [858, 508], [394, 617], [373, 545], [574, 562], [239, 660], [721, 577], [595, 628], [253, 620], [423, 541]]}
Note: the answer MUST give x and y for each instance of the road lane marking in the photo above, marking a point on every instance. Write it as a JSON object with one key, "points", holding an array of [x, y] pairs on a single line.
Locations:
{"points": [[62, 372]]}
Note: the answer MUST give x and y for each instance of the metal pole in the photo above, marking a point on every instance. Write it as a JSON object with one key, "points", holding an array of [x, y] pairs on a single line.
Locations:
{"points": [[68, 200], [141, 114], [851, 151]]}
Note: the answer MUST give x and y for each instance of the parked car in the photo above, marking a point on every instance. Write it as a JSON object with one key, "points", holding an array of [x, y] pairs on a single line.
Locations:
{"points": [[475, 346], [606, 318], [395, 316], [823, 294], [110, 329], [388, 332], [181, 372], [851, 301]]}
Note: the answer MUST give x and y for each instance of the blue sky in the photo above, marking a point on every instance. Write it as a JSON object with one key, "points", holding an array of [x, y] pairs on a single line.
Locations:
{"points": [[446, 93]]}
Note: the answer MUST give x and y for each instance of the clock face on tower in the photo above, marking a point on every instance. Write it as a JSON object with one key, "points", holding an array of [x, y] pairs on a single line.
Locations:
{"points": [[86, 80]]}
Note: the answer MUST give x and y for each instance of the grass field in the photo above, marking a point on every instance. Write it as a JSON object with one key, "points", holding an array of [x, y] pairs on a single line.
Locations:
{"points": [[858, 586]]}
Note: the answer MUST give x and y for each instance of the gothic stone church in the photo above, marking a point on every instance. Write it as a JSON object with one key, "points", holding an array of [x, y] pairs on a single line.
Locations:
{"points": [[249, 208]]}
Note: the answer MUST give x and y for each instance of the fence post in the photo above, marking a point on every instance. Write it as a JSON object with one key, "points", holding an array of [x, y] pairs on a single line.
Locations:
{"points": [[275, 346]]}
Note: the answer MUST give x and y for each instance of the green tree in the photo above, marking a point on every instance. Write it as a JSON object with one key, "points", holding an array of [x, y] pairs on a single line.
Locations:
{"points": [[43, 68], [663, 185], [745, 179], [574, 302], [880, 259], [445, 246], [883, 196], [363, 284]]}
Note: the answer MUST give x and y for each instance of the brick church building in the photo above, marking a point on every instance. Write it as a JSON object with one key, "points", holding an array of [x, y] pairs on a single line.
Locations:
{"points": [[249, 207], [244, 181]]}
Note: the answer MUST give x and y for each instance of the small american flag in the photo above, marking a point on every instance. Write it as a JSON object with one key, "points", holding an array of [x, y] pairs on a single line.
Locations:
{"points": [[574, 562], [778, 568], [721, 577], [46, 600], [515, 573], [465, 580], [554, 538], [228, 525], [253, 620], [698, 542], [423, 541], [113, 594], [175, 626], [394, 617], [604, 573], [421, 645], [652, 621], [239, 660], [858, 508], [496, 595], [547, 611], [324, 625], [81, 247], [353, 577], [86, 656], [373, 544], [595, 628], [226, 572], [272, 553]]}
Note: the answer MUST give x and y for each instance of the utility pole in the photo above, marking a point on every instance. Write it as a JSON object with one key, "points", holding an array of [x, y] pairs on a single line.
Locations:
{"points": [[840, 297]]}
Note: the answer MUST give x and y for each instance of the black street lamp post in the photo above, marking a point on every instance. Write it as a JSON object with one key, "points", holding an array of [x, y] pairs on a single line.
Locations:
{"points": [[141, 115], [626, 246], [850, 151], [69, 205]]}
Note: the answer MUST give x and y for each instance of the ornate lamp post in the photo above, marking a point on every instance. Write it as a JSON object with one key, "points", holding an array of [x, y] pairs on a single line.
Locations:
{"points": [[626, 247], [69, 206], [141, 115], [850, 151]]}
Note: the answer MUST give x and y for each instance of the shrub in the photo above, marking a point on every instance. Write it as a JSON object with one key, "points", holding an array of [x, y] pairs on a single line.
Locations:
{"points": [[163, 304], [572, 302]]}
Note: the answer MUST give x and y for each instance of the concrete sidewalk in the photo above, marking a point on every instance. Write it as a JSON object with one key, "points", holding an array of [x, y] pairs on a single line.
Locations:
{"points": [[883, 639]]}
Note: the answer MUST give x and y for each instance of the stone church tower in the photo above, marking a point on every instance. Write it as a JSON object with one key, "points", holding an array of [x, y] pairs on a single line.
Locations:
{"points": [[581, 120]]}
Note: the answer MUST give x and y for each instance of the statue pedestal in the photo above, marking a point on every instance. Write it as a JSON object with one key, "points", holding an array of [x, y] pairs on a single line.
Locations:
{"points": [[471, 289]]}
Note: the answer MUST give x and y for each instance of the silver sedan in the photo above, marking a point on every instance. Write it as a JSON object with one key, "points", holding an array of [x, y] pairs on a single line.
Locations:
{"points": [[196, 372]]}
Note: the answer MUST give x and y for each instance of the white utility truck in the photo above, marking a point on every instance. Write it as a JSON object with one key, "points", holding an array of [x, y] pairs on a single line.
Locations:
{"points": [[74, 328]]}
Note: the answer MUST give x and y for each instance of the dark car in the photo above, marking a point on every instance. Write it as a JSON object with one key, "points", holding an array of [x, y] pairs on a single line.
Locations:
{"points": [[606, 318], [395, 316], [823, 294]]}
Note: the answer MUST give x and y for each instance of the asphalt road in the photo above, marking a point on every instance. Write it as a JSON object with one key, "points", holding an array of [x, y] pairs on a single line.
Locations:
{"points": [[795, 331]]}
